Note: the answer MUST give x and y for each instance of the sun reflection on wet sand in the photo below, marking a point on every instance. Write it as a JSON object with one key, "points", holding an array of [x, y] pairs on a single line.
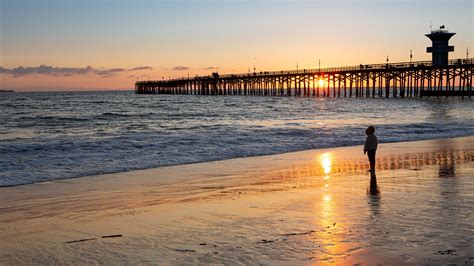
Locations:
{"points": [[326, 162], [329, 236]]}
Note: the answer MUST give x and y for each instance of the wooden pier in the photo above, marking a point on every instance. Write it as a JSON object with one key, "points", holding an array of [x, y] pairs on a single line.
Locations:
{"points": [[407, 79]]}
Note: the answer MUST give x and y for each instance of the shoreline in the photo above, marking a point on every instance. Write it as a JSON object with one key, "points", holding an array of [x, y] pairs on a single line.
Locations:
{"points": [[300, 207], [236, 158], [145, 177]]}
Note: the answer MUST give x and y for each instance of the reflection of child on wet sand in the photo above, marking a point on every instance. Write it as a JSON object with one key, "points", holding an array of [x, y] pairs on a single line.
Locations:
{"points": [[370, 146]]}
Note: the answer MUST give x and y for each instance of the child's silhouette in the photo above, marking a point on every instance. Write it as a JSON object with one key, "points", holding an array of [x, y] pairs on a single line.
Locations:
{"points": [[370, 147]]}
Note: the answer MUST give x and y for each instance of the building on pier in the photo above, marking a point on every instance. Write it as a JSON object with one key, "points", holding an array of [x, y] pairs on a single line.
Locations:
{"points": [[441, 48]]}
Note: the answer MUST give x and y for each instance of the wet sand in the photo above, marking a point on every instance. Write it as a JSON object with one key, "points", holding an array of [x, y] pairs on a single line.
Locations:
{"points": [[310, 207]]}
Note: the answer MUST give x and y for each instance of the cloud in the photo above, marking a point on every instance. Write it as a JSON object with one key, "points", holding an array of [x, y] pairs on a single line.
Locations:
{"points": [[68, 71], [179, 68], [210, 67], [141, 68]]}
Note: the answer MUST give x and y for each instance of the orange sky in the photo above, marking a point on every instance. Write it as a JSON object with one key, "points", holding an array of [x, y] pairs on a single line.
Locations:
{"points": [[177, 38]]}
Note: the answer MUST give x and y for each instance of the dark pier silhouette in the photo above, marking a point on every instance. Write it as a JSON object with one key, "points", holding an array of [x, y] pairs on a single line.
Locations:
{"points": [[439, 77], [383, 80]]}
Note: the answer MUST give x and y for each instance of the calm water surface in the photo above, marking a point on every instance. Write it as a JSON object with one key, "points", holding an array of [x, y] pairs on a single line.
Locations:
{"points": [[48, 136]]}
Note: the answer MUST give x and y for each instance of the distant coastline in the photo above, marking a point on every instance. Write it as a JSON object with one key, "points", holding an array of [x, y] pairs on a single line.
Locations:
{"points": [[7, 91]]}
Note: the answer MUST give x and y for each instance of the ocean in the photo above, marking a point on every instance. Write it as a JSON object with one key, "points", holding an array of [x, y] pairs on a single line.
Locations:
{"points": [[58, 135]]}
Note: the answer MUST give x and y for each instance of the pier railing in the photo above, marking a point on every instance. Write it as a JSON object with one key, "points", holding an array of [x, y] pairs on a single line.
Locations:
{"points": [[368, 67]]}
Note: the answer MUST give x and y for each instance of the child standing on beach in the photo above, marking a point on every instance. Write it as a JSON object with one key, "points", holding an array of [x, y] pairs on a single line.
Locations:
{"points": [[370, 146]]}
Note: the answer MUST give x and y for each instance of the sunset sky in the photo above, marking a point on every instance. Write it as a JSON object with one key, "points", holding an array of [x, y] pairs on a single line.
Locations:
{"points": [[108, 44]]}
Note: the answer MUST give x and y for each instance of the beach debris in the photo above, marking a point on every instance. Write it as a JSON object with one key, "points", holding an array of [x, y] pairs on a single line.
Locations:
{"points": [[299, 234], [202, 244], [90, 239], [185, 250], [264, 241], [111, 236], [80, 240], [446, 252]]}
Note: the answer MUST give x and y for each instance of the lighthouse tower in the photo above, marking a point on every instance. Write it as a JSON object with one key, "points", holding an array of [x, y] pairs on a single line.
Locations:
{"points": [[440, 48]]}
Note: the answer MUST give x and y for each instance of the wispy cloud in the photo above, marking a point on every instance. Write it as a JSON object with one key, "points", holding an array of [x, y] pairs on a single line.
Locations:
{"points": [[179, 68], [141, 68], [210, 67], [68, 71]]}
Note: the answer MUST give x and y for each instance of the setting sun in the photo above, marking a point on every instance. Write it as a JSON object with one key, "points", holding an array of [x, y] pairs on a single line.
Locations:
{"points": [[321, 82]]}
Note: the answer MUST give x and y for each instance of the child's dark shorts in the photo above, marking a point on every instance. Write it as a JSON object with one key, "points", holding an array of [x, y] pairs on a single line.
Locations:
{"points": [[371, 155]]}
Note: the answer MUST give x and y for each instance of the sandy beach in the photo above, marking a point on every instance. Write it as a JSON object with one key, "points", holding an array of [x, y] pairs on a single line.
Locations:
{"points": [[309, 207]]}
